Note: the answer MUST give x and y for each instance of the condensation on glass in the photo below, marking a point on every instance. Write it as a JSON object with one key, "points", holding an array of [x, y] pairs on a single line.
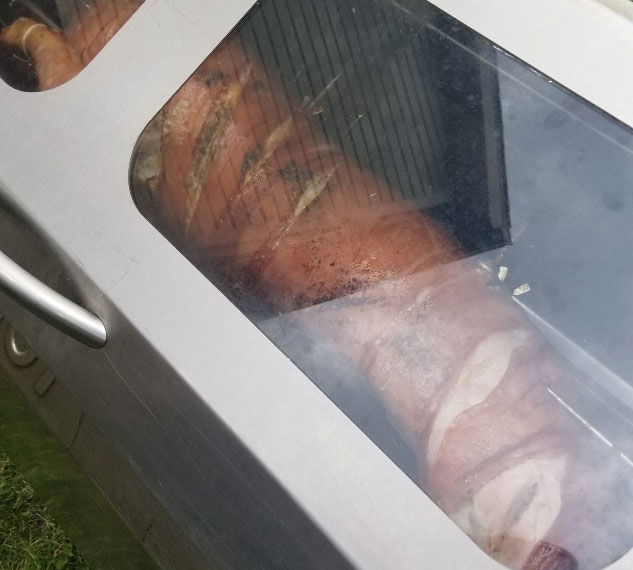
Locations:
{"points": [[44, 43], [439, 238]]}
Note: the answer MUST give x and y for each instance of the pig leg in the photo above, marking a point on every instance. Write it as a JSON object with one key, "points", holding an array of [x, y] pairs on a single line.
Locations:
{"points": [[467, 380], [55, 61], [60, 56]]}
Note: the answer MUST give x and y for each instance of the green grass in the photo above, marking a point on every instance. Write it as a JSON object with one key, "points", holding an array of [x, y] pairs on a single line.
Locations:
{"points": [[64, 492], [29, 538]]}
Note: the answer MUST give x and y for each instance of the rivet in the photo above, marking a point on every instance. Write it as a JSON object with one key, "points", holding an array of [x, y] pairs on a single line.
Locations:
{"points": [[17, 350]]}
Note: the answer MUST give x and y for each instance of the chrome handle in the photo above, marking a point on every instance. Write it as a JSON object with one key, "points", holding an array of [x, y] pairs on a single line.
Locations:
{"points": [[49, 305]]}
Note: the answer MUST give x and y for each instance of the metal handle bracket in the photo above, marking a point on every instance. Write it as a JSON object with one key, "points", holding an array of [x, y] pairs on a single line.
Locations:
{"points": [[49, 305]]}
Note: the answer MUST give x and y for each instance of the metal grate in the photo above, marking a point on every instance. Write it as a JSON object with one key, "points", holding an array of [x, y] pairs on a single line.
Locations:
{"points": [[365, 76]]}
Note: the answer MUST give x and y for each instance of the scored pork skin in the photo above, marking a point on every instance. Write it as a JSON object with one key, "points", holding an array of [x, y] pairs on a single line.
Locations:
{"points": [[272, 187]]}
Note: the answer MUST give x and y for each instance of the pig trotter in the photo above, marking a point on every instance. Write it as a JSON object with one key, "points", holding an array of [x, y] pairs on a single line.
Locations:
{"points": [[546, 556]]}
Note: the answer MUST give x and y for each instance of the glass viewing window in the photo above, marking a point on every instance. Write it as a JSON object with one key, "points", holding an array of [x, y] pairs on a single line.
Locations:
{"points": [[439, 238]]}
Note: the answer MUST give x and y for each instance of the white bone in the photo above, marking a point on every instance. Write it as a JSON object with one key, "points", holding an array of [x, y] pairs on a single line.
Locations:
{"points": [[517, 507], [482, 372]]}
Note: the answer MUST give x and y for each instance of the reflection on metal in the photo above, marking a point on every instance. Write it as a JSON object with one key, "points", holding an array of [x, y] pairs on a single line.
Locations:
{"points": [[17, 350], [46, 303], [622, 7]]}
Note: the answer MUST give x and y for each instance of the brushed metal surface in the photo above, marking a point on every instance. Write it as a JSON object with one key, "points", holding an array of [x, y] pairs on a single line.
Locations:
{"points": [[255, 464], [81, 439]]}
